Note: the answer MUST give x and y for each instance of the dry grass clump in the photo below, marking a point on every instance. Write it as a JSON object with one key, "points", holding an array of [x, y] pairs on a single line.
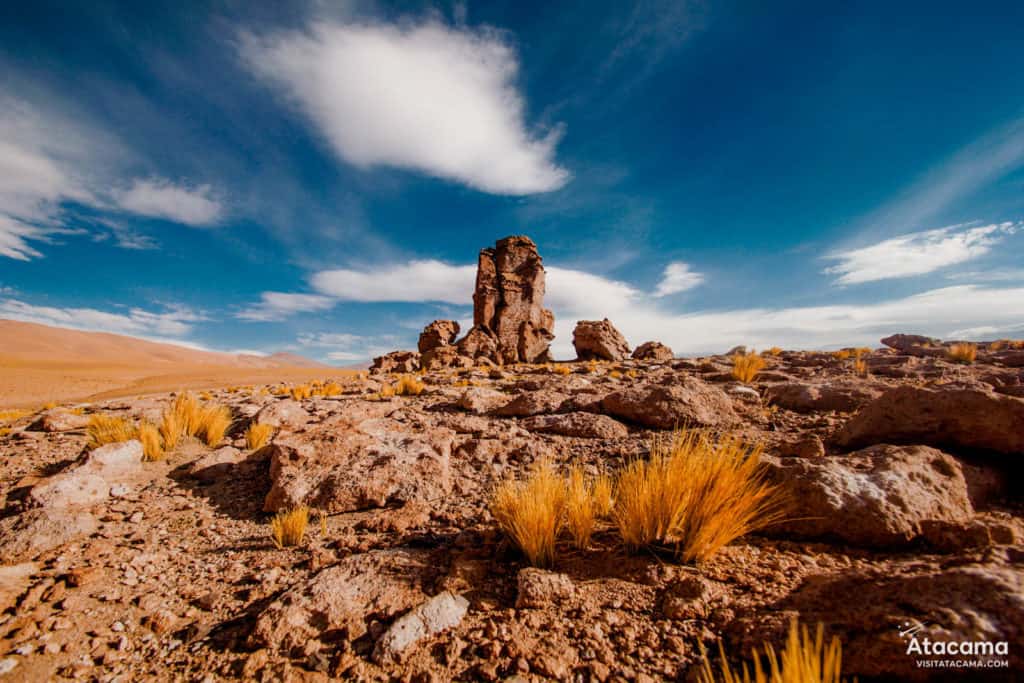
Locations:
{"points": [[561, 369], [288, 528], [773, 351], [13, 414], [330, 389], [745, 366], [842, 354], [152, 444], [803, 660], [963, 353], [530, 512], [694, 495], [407, 385], [214, 421], [104, 429], [580, 515], [187, 417], [860, 367], [301, 391], [258, 435], [50, 405], [4, 431]]}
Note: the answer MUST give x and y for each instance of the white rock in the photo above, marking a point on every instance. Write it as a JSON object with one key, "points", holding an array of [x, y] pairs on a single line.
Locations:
{"points": [[440, 613]]}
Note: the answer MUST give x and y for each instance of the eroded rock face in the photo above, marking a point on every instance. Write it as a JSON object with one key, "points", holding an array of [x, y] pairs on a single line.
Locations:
{"points": [[965, 417], [599, 340], [342, 598], [359, 462], [445, 357], [578, 424], [915, 344], [810, 397], [510, 323], [396, 361], [653, 350], [437, 334], [687, 402], [876, 497]]}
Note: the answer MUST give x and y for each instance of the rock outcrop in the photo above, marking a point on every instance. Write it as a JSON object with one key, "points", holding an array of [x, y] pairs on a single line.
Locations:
{"points": [[652, 350], [962, 417], [437, 334], [599, 340], [396, 361], [686, 403], [811, 397], [510, 323], [876, 497]]}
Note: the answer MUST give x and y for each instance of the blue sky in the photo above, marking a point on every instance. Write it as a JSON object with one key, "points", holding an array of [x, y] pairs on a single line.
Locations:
{"points": [[318, 177]]}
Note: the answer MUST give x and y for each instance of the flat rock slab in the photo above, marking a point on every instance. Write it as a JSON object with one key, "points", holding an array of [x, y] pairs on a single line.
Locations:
{"points": [[438, 614], [805, 397], [578, 424], [342, 599], [343, 466], [958, 417], [876, 497]]}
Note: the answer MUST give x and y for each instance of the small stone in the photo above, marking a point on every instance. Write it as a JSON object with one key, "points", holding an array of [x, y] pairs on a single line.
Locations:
{"points": [[136, 517]]}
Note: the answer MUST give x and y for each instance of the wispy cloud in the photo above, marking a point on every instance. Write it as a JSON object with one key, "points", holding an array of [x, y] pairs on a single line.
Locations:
{"points": [[917, 253], [174, 321], [432, 98], [348, 348], [274, 306], [678, 277], [159, 198]]}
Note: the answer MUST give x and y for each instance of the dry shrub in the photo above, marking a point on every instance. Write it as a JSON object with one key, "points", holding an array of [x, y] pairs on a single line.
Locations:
{"points": [[289, 528], [803, 660], [407, 385], [580, 514], [745, 366], [530, 512], [301, 391], [963, 353], [104, 429], [258, 435], [152, 444], [330, 389], [695, 495], [214, 421]]}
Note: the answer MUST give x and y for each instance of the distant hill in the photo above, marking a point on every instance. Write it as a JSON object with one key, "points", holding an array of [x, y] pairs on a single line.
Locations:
{"points": [[34, 342]]}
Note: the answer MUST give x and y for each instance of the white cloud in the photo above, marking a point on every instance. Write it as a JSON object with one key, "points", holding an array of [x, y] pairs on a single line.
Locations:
{"points": [[432, 98], [348, 348], [576, 290], [159, 198], [917, 253], [175, 321], [275, 306], [677, 278], [414, 281]]}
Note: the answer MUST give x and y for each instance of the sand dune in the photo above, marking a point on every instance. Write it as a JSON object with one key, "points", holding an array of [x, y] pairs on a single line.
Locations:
{"points": [[39, 363]]}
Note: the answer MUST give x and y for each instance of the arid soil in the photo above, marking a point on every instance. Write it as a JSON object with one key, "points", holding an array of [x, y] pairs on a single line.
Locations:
{"points": [[903, 510]]}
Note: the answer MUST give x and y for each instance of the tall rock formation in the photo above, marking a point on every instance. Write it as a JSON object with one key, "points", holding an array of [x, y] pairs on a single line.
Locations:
{"points": [[510, 323]]}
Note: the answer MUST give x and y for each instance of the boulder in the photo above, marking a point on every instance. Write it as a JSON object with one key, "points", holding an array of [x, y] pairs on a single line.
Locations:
{"points": [[538, 402], [90, 481], [915, 345], [541, 589], [396, 361], [38, 531], [599, 340], [960, 417], [578, 424], [653, 350], [445, 357], [341, 600], [287, 414], [871, 609], [688, 401], [437, 334], [808, 397], [508, 305], [878, 497], [217, 464], [438, 614], [352, 463], [62, 421], [480, 400]]}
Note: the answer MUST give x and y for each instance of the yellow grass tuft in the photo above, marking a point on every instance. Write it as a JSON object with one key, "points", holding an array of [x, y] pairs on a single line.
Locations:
{"points": [[104, 429], [152, 444], [561, 369], [580, 514], [745, 366], [603, 494], [860, 367], [386, 391], [842, 354], [407, 385], [963, 353], [330, 389], [13, 415], [258, 435], [289, 528], [695, 495], [615, 374], [301, 391], [213, 423], [773, 351], [530, 512], [4, 431], [803, 660], [49, 405]]}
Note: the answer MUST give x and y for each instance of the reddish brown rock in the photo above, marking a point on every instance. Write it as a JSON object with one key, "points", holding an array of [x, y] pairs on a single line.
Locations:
{"points": [[359, 462], [686, 402], [877, 497], [444, 357], [961, 417], [508, 305], [915, 345], [599, 340], [62, 421], [437, 334], [804, 397], [578, 424], [530, 403], [396, 361], [653, 350]]}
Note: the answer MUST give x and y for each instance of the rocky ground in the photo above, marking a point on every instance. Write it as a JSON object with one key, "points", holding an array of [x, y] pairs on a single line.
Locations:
{"points": [[905, 508]]}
